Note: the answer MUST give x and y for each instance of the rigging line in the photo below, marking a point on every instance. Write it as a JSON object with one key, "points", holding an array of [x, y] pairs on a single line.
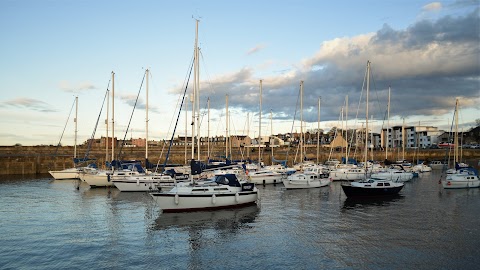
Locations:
{"points": [[375, 88], [61, 136], [173, 115], [293, 124], [446, 159], [178, 117], [358, 108], [90, 142], [131, 115]]}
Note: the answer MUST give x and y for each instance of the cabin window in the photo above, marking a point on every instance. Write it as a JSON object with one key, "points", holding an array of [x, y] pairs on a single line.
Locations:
{"points": [[387, 184], [379, 184]]}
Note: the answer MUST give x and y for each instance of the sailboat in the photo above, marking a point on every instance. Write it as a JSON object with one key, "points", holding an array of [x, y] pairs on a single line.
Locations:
{"points": [[312, 176], [461, 176], [261, 175], [70, 173], [223, 191], [145, 181], [371, 186]]}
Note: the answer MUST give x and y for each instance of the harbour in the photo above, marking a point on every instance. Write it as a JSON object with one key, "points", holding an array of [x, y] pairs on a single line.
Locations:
{"points": [[50, 223]]}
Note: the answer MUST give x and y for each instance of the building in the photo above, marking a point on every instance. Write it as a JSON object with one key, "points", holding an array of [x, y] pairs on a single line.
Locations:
{"points": [[415, 136]]}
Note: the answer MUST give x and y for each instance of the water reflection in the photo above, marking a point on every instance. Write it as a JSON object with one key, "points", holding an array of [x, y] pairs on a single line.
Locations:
{"points": [[352, 203], [227, 219]]}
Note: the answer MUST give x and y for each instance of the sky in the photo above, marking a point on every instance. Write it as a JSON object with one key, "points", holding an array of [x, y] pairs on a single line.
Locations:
{"points": [[427, 53]]}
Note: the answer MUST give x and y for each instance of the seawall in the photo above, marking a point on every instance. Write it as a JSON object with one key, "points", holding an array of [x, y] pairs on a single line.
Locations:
{"points": [[23, 160]]}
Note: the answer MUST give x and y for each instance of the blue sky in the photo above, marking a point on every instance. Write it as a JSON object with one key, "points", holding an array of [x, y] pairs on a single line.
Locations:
{"points": [[52, 51]]}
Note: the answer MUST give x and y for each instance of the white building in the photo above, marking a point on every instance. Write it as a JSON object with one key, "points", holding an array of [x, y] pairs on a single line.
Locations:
{"points": [[415, 136]]}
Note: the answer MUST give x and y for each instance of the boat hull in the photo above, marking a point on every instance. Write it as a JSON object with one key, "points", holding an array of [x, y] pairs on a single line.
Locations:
{"points": [[352, 191], [65, 174], [458, 184], [349, 176], [171, 202], [135, 186], [302, 184], [98, 180], [265, 179]]}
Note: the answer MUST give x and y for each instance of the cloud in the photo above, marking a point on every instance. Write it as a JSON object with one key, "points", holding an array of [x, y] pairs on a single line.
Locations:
{"points": [[434, 6], [130, 99], [76, 87], [256, 49], [29, 104], [427, 65]]}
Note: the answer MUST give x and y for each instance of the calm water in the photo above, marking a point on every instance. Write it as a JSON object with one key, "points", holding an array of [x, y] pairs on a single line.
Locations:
{"points": [[48, 224]]}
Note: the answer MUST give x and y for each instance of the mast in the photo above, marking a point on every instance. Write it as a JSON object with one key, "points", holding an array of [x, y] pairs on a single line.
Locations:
{"points": [[388, 125], [75, 120], [195, 89], [342, 111], [260, 126], [301, 121], [146, 123], [248, 133], [403, 139], [106, 124], [346, 129], [186, 130], [208, 130], [366, 115], [226, 127], [371, 138], [197, 82], [113, 116], [192, 98], [318, 132], [455, 135], [271, 131]]}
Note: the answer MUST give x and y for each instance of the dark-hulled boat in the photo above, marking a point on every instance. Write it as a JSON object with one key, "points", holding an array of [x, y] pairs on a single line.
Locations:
{"points": [[372, 187]]}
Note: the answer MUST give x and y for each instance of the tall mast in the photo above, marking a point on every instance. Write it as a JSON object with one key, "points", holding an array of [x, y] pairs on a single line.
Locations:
{"points": [[271, 131], [260, 126], [186, 129], [146, 121], [455, 135], [388, 125], [226, 127], [197, 83], [208, 130], [248, 133], [318, 132], [113, 116], [343, 130], [106, 126], [301, 120], [403, 139], [366, 115], [76, 115], [346, 129]]}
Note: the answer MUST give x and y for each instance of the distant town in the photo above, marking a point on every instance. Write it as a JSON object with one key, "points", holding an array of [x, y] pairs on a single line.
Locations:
{"points": [[423, 137]]}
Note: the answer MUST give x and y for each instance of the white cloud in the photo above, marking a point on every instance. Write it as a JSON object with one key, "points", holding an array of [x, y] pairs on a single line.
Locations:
{"points": [[256, 49], [76, 87], [434, 6]]}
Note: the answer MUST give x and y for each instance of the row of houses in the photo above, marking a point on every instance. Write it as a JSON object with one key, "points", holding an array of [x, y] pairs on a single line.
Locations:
{"points": [[393, 137]]}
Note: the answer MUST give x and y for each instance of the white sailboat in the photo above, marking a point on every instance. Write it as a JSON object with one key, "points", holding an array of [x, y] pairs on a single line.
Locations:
{"points": [[263, 176], [102, 178], [460, 176], [69, 173], [223, 191], [312, 176]]}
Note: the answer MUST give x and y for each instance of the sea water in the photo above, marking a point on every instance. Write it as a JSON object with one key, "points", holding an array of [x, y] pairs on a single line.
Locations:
{"points": [[52, 224]]}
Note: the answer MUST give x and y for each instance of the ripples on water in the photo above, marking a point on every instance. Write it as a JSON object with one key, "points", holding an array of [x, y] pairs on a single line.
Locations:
{"points": [[48, 224]]}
